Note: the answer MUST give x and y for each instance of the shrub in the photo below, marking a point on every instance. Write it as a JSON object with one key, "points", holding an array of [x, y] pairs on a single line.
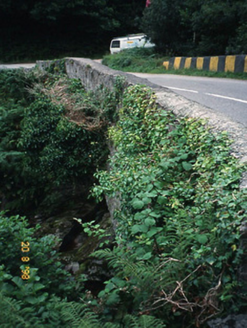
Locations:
{"points": [[136, 60], [32, 279], [177, 235], [51, 144]]}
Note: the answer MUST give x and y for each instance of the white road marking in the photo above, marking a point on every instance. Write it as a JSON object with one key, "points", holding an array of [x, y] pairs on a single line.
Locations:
{"points": [[230, 98], [187, 90], [210, 94]]}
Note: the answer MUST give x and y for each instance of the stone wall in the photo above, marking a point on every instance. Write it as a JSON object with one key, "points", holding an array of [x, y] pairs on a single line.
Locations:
{"points": [[93, 75]]}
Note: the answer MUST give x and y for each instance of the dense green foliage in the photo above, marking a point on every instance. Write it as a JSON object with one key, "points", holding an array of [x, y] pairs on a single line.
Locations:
{"points": [[51, 139], [195, 27], [40, 113], [50, 296], [33, 301], [32, 30], [176, 252], [178, 224]]}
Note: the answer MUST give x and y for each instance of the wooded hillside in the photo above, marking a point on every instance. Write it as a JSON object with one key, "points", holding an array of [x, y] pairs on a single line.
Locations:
{"points": [[196, 27], [35, 29], [49, 29]]}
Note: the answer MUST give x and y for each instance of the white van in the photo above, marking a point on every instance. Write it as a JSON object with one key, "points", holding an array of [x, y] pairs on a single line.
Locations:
{"points": [[129, 41]]}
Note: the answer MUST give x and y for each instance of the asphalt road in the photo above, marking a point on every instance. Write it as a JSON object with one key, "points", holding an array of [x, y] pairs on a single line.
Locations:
{"points": [[2, 66], [227, 96]]}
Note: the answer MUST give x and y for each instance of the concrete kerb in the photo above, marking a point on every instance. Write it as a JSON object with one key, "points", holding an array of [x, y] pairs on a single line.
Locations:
{"points": [[93, 75], [233, 63]]}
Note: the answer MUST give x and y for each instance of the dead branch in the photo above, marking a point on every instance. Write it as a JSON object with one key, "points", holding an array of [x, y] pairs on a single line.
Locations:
{"points": [[205, 307]]}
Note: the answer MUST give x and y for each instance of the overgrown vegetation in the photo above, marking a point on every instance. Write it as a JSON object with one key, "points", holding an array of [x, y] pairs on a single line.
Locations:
{"points": [[176, 252], [33, 301], [50, 297], [178, 234], [33, 30], [51, 139], [61, 28]]}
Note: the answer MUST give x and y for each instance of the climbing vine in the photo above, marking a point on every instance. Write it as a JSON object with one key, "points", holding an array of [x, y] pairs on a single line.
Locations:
{"points": [[180, 214], [176, 252]]}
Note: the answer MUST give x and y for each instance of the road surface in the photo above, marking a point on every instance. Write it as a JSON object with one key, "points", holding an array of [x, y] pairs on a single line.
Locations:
{"points": [[228, 96], [16, 65]]}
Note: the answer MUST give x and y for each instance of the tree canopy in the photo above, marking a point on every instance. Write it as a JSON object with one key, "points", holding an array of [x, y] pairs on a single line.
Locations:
{"points": [[64, 27], [196, 27], [35, 29]]}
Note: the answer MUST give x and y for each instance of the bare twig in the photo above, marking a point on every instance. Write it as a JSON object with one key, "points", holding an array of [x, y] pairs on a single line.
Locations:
{"points": [[206, 307]]}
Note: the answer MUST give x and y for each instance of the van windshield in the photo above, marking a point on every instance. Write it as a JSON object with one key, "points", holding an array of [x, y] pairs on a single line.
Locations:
{"points": [[115, 44]]}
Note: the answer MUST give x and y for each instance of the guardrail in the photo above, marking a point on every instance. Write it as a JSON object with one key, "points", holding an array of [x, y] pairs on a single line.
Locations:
{"points": [[236, 63]]}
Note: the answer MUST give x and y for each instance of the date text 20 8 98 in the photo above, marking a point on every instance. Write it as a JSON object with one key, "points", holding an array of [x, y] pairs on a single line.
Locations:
{"points": [[25, 248]]}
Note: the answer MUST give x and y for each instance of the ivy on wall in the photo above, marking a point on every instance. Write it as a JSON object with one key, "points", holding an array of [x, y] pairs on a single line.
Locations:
{"points": [[176, 253], [177, 235]]}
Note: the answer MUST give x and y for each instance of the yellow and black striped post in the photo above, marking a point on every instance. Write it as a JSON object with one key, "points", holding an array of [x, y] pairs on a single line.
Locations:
{"points": [[234, 63]]}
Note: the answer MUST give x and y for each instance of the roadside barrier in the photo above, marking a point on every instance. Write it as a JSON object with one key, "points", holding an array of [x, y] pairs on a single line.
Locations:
{"points": [[236, 63]]}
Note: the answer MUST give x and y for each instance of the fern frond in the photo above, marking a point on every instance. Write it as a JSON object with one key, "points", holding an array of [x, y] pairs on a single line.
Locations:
{"points": [[112, 325], [79, 316], [144, 321], [12, 315], [147, 276]]}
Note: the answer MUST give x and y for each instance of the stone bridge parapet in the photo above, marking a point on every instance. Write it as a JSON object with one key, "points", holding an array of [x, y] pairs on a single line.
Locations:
{"points": [[94, 75]]}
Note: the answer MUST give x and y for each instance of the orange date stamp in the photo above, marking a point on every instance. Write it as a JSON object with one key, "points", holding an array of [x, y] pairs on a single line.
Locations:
{"points": [[25, 248]]}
